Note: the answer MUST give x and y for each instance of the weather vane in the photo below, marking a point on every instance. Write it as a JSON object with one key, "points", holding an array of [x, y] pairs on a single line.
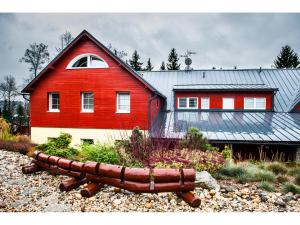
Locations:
{"points": [[187, 59]]}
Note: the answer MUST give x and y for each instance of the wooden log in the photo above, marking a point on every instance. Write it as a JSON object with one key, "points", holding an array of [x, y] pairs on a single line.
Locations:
{"points": [[91, 189], [137, 174], [43, 165], [77, 166], [42, 157], [35, 154], [91, 167], [30, 169], [53, 159], [71, 183], [166, 175], [190, 198], [64, 163], [188, 175], [173, 187], [108, 170]]}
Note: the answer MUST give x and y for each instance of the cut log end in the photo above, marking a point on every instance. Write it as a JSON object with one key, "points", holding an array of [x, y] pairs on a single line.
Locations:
{"points": [[91, 189], [193, 200], [30, 169], [72, 183]]}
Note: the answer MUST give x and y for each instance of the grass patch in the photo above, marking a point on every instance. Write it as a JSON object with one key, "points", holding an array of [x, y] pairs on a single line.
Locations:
{"points": [[294, 171], [263, 176], [289, 187], [277, 168], [297, 180], [266, 186], [282, 179], [230, 170]]}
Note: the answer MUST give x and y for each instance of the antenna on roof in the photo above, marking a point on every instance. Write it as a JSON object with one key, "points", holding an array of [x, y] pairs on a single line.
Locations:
{"points": [[188, 61], [259, 69]]}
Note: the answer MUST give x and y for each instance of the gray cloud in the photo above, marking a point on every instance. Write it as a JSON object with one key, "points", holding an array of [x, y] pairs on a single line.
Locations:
{"points": [[220, 40]]}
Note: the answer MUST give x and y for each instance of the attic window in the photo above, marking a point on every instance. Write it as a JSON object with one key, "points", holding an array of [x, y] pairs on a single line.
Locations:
{"points": [[87, 61]]}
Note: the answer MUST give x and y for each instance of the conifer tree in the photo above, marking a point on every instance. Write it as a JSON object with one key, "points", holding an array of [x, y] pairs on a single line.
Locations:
{"points": [[149, 66], [134, 61], [287, 58], [173, 60], [163, 67]]}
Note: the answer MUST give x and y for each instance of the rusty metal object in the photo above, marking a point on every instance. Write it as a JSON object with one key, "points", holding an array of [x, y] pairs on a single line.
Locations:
{"points": [[190, 198], [91, 189], [30, 169], [137, 174], [71, 183]]}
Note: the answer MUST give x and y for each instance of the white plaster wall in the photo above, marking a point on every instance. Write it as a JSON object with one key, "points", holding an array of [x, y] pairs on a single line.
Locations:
{"points": [[40, 135]]}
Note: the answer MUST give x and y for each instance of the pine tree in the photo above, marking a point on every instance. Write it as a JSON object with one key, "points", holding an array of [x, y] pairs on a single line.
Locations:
{"points": [[163, 67], [149, 66], [287, 58], [134, 62], [173, 60]]}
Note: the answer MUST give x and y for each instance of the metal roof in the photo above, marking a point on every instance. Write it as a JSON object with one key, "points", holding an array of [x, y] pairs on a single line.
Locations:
{"points": [[258, 127], [286, 80], [224, 87]]}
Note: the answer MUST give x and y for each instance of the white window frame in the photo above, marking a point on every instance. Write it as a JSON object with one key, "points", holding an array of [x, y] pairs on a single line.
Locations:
{"points": [[255, 103], [50, 109], [82, 98], [227, 108], [88, 55], [117, 103], [188, 103], [208, 107]]}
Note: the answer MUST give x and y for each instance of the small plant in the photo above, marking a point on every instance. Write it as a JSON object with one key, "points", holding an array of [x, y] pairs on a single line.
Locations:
{"points": [[99, 153], [243, 178], [277, 168], [5, 134], [282, 179], [230, 170], [297, 180], [63, 140], [70, 153], [227, 153], [289, 187], [266, 186], [294, 172], [194, 140], [15, 146], [263, 176], [22, 139]]}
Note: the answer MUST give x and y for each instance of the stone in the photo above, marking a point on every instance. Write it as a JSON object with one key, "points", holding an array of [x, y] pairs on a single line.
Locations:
{"points": [[148, 205], [117, 202], [117, 190], [78, 196], [212, 192], [57, 208], [256, 200], [280, 202], [263, 196], [205, 180]]}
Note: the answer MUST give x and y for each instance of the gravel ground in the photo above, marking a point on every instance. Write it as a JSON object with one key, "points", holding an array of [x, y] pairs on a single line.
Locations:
{"points": [[39, 193]]}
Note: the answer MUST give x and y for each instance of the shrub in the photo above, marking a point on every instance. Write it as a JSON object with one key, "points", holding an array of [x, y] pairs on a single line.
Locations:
{"points": [[266, 186], [233, 171], [243, 178], [288, 187], [282, 179], [99, 153], [70, 153], [5, 134], [227, 153], [194, 140], [277, 168], [263, 176], [294, 172], [63, 141], [126, 159], [22, 139], [15, 146], [297, 179]]}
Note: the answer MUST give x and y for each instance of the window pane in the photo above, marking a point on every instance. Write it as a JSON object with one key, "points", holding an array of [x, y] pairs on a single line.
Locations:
{"points": [[88, 101], [192, 102], [261, 103], [54, 101], [97, 62], [228, 103], [204, 103], [123, 102], [249, 103], [81, 62], [182, 102]]}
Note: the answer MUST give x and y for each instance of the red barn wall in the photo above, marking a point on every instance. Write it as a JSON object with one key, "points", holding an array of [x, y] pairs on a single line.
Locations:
{"points": [[216, 102], [156, 105], [105, 83]]}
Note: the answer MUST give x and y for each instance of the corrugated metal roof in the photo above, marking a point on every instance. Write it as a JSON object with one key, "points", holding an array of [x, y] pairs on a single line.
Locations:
{"points": [[286, 80], [232, 126], [223, 87], [296, 100]]}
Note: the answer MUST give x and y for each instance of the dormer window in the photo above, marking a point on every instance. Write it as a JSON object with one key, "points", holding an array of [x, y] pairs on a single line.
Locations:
{"points": [[87, 61]]}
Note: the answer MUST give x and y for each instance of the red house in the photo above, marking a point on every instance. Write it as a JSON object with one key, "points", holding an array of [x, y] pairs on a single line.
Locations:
{"points": [[90, 93]]}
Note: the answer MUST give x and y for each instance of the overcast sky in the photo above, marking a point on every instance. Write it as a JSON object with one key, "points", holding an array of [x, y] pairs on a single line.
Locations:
{"points": [[220, 40]]}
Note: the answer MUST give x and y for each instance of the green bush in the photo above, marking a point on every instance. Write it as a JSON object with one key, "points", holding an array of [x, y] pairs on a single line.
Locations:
{"points": [[263, 176], [277, 168], [227, 153], [63, 140], [69, 153], [294, 172], [288, 187], [194, 140], [99, 153], [297, 179], [233, 171], [266, 186]]}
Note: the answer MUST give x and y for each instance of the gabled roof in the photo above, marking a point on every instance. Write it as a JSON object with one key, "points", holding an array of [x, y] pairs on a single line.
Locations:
{"points": [[84, 33], [224, 87], [285, 80]]}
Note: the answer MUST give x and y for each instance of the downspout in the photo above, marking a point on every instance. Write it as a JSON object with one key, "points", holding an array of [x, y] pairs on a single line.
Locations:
{"points": [[149, 112]]}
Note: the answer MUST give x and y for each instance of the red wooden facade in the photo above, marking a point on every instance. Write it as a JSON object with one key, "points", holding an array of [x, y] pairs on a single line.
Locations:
{"points": [[103, 82], [216, 98]]}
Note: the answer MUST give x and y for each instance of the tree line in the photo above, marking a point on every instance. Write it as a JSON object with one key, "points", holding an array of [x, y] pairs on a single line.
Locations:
{"points": [[37, 55]]}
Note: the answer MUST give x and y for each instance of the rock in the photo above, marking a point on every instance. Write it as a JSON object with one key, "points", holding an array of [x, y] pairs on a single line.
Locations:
{"points": [[230, 189], [205, 180], [20, 203], [256, 200], [117, 202], [245, 191], [280, 202], [57, 208], [117, 190], [148, 205], [263, 196], [212, 192], [78, 196], [173, 202]]}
